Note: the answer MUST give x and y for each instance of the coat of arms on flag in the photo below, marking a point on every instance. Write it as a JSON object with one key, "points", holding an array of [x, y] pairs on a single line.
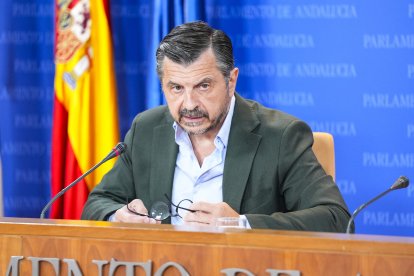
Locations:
{"points": [[73, 31]]}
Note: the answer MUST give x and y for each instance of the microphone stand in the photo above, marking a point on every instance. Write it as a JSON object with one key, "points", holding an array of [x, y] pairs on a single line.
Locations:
{"points": [[119, 149], [359, 209], [400, 183]]}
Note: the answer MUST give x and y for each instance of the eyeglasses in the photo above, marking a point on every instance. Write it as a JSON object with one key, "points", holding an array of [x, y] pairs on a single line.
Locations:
{"points": [[161, 210]]}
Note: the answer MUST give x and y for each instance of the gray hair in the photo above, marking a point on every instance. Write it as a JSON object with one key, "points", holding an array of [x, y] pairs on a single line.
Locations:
{"points": [[186, 42]]}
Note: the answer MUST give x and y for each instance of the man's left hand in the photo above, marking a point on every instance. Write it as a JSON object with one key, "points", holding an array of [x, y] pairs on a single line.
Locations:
{"points": [[207, 213]]}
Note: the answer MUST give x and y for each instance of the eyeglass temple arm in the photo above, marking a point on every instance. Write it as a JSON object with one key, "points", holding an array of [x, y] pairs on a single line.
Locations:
{"points": [[189, 210], [134, 212], [177, 206]]}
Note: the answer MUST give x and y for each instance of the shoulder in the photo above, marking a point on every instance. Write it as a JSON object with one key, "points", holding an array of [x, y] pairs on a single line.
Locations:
{"points": [[270, 119]]}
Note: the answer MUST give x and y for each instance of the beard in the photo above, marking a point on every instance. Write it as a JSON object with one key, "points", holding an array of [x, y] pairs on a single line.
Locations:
{"points": [[199, 113]]}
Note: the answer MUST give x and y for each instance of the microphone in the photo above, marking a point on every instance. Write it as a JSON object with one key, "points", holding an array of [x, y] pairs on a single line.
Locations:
{"points": [[116, 151], [401, 183]]}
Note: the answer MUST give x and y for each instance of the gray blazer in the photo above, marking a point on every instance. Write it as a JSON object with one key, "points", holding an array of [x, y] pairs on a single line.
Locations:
{"points": [[271, 174]]}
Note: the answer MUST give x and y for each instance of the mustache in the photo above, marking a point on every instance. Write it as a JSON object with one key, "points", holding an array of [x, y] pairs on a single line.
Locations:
{"points": [[193, 113]]}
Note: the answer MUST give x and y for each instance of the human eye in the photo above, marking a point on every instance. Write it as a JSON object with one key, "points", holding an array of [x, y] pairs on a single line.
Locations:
{"points": [[205, 86], [176, 88]]}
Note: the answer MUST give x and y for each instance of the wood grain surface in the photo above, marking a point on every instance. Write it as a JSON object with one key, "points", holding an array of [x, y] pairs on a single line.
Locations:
{"points": [[201, 251]]}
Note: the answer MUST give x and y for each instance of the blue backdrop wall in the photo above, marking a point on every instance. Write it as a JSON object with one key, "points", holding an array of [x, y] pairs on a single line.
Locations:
{"points": [[345, 67]]}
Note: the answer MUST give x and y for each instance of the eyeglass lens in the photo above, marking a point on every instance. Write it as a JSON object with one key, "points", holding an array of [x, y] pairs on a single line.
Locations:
{"points": [[161, 210]]}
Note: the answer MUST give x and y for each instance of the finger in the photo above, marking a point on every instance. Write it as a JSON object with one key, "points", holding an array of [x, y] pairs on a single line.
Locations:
{"points": [[203, 206], [123, 215], [222, 209], [192, 223], [209, 212], [126, 213], [138, 206], [199, 217]]}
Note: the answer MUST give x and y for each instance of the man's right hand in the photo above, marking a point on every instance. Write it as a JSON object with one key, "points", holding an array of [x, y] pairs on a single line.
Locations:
{"points": [[124, 215]]}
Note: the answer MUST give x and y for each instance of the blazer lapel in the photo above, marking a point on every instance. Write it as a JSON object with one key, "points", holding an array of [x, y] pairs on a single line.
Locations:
{"points": [[242, 147], [164, 155]]}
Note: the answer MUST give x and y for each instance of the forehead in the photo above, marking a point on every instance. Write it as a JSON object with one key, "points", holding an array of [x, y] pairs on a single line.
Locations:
{"points": [[204, 66]]}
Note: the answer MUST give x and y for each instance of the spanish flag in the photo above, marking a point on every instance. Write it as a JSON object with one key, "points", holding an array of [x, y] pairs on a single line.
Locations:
{"points": [[85, 116]]}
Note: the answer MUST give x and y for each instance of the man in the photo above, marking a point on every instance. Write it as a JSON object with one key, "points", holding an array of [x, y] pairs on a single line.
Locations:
{"points": [[229, 156]]}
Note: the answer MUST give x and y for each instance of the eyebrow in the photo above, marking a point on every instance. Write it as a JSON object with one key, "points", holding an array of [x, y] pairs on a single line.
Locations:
{"points": [[171, 83], [207, 79]]}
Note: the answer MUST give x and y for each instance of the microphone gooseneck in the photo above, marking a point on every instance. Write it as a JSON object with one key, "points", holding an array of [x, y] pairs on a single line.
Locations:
{"points": [[116, 151], [401, 183]]}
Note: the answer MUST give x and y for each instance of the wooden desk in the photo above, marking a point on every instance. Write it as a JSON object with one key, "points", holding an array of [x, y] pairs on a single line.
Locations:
{"points": [[200, 251]]}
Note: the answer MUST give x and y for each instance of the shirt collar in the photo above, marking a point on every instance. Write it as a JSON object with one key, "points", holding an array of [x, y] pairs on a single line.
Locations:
{"points": [[223, 134]]}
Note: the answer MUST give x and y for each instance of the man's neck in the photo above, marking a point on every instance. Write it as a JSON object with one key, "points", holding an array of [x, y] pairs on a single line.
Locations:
{"points": [[203, 146]]}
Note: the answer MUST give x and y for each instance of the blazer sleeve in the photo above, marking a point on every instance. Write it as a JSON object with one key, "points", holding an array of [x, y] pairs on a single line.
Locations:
{"points": [[115, 189], [311, 198]]}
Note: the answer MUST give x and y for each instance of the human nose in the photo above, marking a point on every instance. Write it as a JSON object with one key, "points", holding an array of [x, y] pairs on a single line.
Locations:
{"points": [[190, 100]]}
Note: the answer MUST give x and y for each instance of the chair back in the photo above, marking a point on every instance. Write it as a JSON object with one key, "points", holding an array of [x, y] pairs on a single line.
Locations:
{"points": [[323, 147]]}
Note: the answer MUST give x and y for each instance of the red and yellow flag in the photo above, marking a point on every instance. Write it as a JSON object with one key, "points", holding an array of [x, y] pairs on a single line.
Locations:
{"points": [[85, 119]]}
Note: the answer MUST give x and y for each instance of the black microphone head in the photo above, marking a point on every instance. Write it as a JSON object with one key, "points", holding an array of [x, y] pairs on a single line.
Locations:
{"points": [[401, 183], [120, 148]]}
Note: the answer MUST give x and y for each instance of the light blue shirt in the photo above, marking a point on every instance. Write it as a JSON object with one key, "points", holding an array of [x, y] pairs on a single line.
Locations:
{"points": [[197, 183]]}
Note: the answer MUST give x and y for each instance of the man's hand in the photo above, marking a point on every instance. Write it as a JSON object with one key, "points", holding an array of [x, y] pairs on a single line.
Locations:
{"points": [[207, 213], [124, 215]]}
